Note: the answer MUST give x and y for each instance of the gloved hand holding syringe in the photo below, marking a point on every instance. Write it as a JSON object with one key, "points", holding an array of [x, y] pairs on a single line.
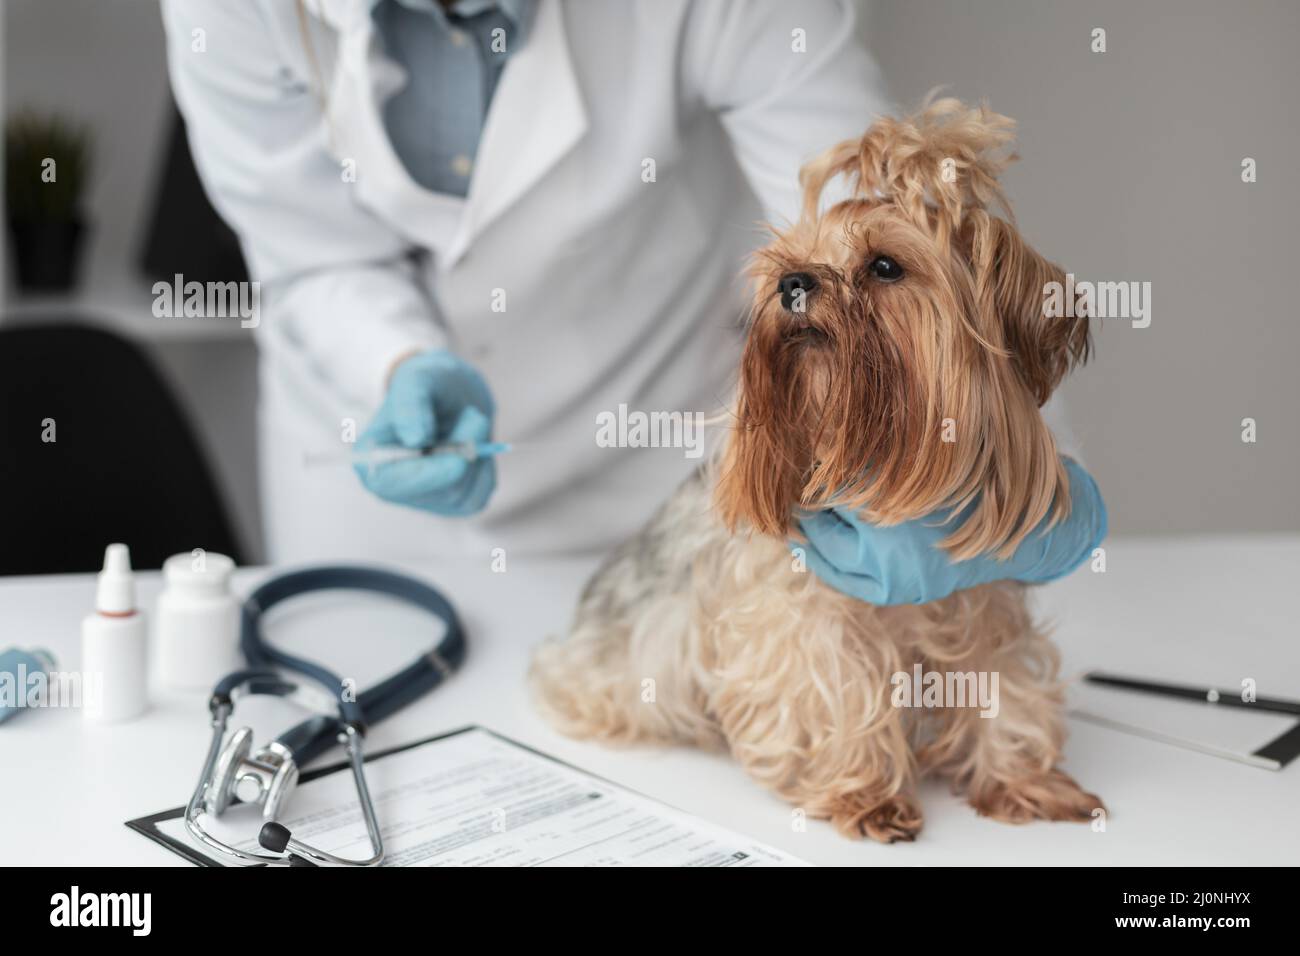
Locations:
{"points": [[429, 445]]}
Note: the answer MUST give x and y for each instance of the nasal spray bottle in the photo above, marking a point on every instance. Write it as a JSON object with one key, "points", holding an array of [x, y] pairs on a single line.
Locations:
{"points": [[113, 645]]}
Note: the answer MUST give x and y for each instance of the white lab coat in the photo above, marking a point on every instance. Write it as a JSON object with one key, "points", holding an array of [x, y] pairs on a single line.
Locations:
{"points": [[616, 290]]}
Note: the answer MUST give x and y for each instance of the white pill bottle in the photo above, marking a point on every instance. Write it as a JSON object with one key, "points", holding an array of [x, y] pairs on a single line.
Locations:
{"points": [[196, 630], [114, 646]]}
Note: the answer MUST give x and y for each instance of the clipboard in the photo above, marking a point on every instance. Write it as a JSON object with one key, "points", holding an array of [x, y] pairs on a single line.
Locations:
{"points": [[475, 797]]}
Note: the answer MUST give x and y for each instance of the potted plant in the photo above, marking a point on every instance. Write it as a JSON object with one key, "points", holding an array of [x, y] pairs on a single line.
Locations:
{"points": [[46, 159]]}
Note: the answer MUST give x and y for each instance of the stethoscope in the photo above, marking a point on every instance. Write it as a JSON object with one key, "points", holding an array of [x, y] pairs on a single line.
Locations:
{"points": [[233, 774]]}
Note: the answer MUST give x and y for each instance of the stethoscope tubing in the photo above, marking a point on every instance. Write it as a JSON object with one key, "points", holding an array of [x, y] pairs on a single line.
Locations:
{"points": [[315, 735]]}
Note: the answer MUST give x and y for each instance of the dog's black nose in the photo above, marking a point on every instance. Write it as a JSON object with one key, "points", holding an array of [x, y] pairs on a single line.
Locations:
{"points": [[795, 288]]}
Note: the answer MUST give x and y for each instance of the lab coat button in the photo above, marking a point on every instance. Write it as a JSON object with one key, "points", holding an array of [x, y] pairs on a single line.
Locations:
{"points": [[461, 165], [458, 38]]}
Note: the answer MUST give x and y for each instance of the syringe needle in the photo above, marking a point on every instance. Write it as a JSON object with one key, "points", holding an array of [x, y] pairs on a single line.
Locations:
{"points": [[384, 454]]}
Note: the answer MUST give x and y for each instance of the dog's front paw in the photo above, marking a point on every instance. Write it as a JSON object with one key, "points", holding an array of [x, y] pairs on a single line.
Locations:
{"points": [[1050, 796], [858, 815]]}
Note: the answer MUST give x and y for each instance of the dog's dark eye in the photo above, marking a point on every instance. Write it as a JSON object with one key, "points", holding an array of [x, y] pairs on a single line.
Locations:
{"points": [[885, 269]]}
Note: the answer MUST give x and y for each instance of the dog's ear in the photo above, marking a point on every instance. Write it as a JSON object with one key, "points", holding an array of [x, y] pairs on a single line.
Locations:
{"points": [[1012, 288]]}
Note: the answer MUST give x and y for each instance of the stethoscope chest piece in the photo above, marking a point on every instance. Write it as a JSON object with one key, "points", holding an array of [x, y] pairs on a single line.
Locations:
{"points": [[266, 779]]}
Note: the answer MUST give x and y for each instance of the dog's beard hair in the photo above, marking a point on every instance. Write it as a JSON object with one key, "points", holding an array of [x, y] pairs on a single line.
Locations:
{"points": [[858, 421], [769, 457], [811, 416]]}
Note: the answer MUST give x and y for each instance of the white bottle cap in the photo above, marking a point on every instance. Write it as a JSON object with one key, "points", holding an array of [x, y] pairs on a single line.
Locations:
{"points": [[116, 590], [206, 573]]}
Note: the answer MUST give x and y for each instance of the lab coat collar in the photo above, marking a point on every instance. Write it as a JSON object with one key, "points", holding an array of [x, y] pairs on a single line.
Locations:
{"points": [[341, 15], [536, 117]]}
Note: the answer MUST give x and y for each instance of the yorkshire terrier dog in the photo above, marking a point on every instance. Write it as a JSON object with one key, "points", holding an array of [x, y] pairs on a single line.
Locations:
{"points": [[896, 360]]}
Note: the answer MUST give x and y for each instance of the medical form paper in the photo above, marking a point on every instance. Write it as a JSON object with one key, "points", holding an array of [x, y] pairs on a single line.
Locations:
{"points": [[474, 798]]}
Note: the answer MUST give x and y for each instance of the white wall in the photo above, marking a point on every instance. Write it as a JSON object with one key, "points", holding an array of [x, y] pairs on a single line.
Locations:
{"points": [[1131, 170]]}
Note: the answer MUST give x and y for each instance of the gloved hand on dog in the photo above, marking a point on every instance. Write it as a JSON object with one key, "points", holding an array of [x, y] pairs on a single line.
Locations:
{"points": [[904, 564], [433, 397]]}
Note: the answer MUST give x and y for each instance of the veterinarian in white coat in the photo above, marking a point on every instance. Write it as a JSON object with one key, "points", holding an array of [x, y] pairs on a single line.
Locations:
{"points": [[595, 261], [627, 156]]}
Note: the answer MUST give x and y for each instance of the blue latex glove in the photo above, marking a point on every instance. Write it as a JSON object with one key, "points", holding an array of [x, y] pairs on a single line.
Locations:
{"points": [[904, 564], [432, 398]]}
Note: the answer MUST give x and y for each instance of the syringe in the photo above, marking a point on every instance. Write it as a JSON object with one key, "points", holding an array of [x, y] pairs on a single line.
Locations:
{"points": [[384, 454]]}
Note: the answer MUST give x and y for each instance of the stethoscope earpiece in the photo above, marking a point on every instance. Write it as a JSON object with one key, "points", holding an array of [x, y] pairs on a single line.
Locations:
{"points": [[274, 837]]}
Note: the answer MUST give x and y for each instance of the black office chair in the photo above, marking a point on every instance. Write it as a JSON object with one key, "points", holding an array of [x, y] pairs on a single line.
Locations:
{"points": [[123, 466]]}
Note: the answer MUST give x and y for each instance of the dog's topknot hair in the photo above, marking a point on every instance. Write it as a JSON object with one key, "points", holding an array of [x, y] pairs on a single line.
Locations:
{"points": [[935, 165]]}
